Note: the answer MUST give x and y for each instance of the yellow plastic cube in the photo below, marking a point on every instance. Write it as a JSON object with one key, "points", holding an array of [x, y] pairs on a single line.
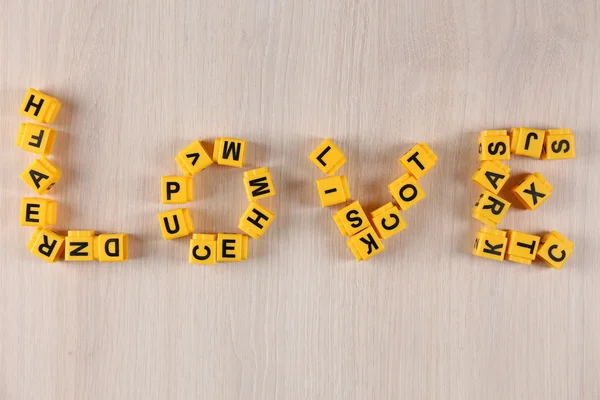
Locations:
{"points": [[232, 247], [113, 247], [176, 223], [333, 190], [193, 158], [533, 191], [419, 160], [256, 220], [203, 249], [559, 144], [38, 212], [494, 145], [177, 189], [36, 138], [490, 243], [41, 175], [258, 184], [555, 249], [406, 191], [229, 152], [490, 209], [351, 219], [522, 247], [365, 244], [387, 221], [40, 107], [492, 175], [46, 244], [328, 157], [527, 142], [80, 246]]}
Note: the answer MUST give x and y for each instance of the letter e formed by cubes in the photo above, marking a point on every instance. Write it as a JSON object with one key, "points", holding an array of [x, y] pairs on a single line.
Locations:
{"points": [[46, 244], [328, 157], [40, 107]]}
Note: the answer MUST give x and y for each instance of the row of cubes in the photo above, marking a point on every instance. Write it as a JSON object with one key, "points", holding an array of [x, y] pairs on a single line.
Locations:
{"points": [[550, 144]]}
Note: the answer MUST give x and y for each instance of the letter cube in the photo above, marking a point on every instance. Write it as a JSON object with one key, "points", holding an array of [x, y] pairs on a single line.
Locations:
{"points": [[555, 249], [177, 189], [388, 221], [351, 219], [113, 247], [522, 247], [365, 244], [176, 223], [229, 152], [494, 145], [36, 138], [490, 209], [333, 190], [232, 247], [41, 175], [46, 244], [203, 249], [193, 158], [558, 145], [38, 212], [80, 246], [527, 142], [328, 157], [533, 191], [490, 243], [492, 175], [256, 220], [419, 160], [40, 107], [258, 184], [406, 191]]}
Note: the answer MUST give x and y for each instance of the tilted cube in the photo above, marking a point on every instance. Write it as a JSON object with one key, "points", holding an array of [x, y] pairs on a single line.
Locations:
{"points": [[555, 249], [41, 175], [46, 244], [406, 191], [328, 157], [351, 219], [492, 176], [40, 107], [419, 160], [533, 191], [256, 220], [193, 158], [387, 221]]}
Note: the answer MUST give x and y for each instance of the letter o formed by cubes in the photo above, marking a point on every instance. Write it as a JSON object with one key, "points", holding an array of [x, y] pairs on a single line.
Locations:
{"points": [[212, 248]]}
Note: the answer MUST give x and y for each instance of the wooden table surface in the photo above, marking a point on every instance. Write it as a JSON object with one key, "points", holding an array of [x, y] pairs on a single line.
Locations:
{"points": [[300, 319]]}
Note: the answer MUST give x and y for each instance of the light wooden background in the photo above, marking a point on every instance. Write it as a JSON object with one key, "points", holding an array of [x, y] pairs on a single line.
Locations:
{"points": [[300, 319]]}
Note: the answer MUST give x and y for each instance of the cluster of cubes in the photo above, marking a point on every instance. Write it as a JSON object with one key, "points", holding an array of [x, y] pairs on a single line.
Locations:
{"points": [[222, 247], [365, 235], [41, 175], [534, 190]]}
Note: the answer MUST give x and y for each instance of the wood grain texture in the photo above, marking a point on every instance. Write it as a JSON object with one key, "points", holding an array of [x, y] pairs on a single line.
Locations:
{"points": [[301, 319]]}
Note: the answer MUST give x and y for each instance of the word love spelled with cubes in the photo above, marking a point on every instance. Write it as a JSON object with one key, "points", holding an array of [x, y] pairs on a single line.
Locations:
{"points": [[366, 233], [212, 248], [41, 176], [534, 190]]}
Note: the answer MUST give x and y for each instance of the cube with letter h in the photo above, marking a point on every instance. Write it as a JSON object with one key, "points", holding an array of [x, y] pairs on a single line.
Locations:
{"points": [[40, 106], [256, 220], [258, 184]]}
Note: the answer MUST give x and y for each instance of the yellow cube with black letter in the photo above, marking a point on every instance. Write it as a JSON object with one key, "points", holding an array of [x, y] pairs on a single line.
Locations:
{"points": [[555, 249], [176, 223], [177, 189], [203, 249], [46, 244], [40, 106], [419, 160], [258, 184], [522, 247], [232, 247], [333, 190], [492, 175], [527, 142], [494, 145], [41, 175], [228, 151], [80, 246], [365, 244], [490, 209], [112, 247], [193, 158], [38, 212], [351, 219], [36, 138], [533, 191], [406, 191], [490, 243], [387, 221], [559, 144], [328, 157], [256, 220]]}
